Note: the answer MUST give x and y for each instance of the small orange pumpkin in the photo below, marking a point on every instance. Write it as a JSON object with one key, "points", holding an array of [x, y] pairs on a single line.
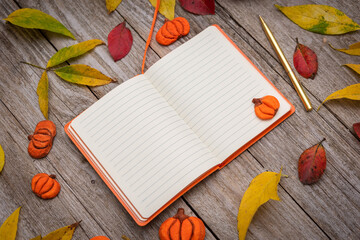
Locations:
{"points": [[182, 227], [45, 186], [266, 107], [172, 30], [100, 238], [41, 141]]}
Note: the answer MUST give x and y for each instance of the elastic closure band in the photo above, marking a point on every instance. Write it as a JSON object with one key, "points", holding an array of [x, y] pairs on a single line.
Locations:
{"points": [[150, 35]]}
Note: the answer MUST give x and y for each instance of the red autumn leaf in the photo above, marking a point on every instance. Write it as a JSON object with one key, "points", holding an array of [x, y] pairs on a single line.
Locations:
{"points": [[305, 61], [356, 127], [119, 41], [312, 164], [202, 7]]}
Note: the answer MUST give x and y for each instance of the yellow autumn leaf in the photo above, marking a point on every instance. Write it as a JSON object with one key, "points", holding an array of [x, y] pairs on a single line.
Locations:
{"points": [[9, 228], [321, 19], [167, 8], [2, 158], [261, 189], [33, 18], [64, 233], [111, 5], [42, 92], [83, 74], [37, 238], [125, 237], [76, 50], [354, 67], [350, 92], [354, 49]]}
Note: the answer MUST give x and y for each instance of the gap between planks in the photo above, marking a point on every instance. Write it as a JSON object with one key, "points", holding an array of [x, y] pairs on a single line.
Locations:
{"points": [[277, 60], [43, 35]]}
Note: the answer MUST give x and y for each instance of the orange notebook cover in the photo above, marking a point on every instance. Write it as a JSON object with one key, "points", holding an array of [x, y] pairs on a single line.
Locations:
{"points": [[204, 88]]}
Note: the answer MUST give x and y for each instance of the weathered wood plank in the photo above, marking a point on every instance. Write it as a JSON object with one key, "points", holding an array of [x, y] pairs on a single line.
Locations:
{"points": [[273, 62], [331, 76], [306, 129], [140, 25], [86, 197], [15, 185], [222, 196]]}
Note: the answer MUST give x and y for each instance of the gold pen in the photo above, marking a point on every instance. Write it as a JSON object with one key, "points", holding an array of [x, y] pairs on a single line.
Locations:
{"points": [[304, 98]]}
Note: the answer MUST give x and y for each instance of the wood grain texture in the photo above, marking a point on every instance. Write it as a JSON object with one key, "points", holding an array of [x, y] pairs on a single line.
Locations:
{"points": [[329, 209], [87, 197], [304, 130]]}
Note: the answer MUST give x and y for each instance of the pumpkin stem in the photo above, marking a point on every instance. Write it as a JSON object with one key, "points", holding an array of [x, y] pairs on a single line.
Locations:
{"points": [[257, 101], [30, 137], [181, 215], [52, 176]]}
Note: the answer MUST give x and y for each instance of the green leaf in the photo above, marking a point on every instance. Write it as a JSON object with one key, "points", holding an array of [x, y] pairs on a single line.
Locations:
{"points": [[33, 18], [354, 67], [321, 19], [354, 49], [2, 158], [76, 50], [351, 92], [9, 228], [167, 8], [83, 74], [64, 233], [261, 189], [111, 5], [42, 91]]}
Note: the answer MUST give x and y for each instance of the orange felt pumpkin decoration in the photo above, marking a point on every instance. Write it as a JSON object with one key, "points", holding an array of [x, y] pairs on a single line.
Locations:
{"points": [[41, 141], [45, 186], [182, 227], [266, 107], [172, 30], [100, 238]]}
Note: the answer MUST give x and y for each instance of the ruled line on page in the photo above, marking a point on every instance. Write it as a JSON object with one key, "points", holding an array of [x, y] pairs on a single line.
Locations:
{"points": [[218, 81], [187, 51], [141, 194], [156, 197], [132, 168], [139, 115], [167, 119], [245, 109], [211, 97], [108, 119], [144, 138], [216, 100], [113, 107], [189, 72], [90, 117], [146, 176], [253, 126], [182, 64], [151, 137], [203, 75]]}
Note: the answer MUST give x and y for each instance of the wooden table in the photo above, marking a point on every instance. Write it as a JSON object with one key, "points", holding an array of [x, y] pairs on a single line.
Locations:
{"points": [[327, 209]]}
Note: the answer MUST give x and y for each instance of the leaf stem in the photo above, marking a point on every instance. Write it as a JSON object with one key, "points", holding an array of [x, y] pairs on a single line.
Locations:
{"points": [[33, 65], [284, 175]]}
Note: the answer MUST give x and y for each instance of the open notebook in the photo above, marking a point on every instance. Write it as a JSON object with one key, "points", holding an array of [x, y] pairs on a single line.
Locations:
{"points": [[158, 134]]}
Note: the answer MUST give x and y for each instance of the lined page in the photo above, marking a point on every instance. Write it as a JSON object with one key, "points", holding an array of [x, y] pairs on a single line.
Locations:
{"points": [[211, 86], [143, 144]]}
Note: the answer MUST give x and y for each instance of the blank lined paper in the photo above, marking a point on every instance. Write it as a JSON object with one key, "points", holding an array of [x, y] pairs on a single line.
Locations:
{"points": [[157, 133], [211, 86], [143, 144]]}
